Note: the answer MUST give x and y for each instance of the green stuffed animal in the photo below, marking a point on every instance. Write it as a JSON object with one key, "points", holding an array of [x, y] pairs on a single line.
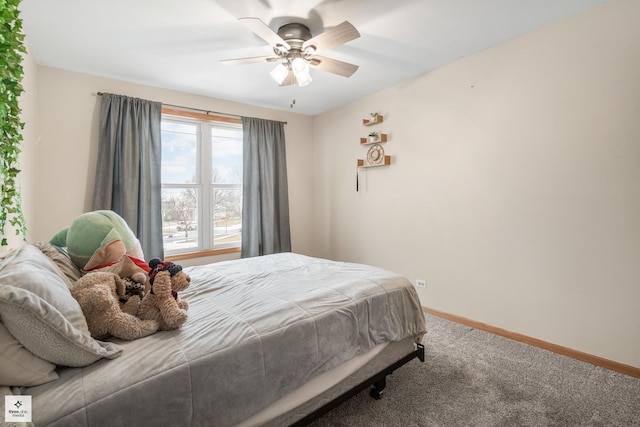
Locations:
{"points": [[98, 238]]}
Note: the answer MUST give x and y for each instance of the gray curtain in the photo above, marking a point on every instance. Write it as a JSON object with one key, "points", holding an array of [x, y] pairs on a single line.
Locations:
{"points": [[128, 167], [265, 202]]}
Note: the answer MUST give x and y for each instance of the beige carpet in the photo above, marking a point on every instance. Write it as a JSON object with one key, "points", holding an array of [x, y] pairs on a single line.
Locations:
{"points": [[473, 378]]}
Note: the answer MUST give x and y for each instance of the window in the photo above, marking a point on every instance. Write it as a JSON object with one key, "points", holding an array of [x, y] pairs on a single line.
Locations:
{"points": [[201, 183]]}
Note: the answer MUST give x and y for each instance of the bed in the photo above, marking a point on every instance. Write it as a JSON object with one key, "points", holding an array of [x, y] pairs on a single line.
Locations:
{"points": [[271, 340]]}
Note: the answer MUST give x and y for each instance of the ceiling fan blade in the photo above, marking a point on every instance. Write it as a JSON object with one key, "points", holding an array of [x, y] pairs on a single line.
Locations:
{"points": [[263, 31], [334, 66], [333, 37], [251, 60]]}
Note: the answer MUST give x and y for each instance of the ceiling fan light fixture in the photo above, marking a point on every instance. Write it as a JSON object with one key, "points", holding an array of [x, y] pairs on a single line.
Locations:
{"points": [[300, 69], [303, 79], [299, 66], [279, 73]]}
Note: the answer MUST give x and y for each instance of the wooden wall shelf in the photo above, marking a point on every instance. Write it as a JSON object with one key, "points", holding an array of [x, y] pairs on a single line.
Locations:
{"points": [[370, 122], [367, 141], [387, 162]]}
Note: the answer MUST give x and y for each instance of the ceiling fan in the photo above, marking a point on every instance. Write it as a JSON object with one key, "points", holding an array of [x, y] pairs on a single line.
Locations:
{"points": [[296, 50]]}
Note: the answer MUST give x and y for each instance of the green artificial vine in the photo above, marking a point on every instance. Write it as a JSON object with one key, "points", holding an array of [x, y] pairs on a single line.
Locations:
{"points": [[11, 73]]}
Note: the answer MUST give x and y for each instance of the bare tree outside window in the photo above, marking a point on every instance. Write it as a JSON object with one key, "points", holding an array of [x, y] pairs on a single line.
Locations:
{"points": [[181, 208]]}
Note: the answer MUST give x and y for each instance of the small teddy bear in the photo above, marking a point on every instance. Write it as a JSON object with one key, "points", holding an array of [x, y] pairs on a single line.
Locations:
{"points": [[161, 302], [98, 295], [133, 293]]}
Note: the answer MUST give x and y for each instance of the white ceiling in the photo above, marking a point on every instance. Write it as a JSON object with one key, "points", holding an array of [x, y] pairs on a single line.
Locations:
{"points": [[178, 44]]}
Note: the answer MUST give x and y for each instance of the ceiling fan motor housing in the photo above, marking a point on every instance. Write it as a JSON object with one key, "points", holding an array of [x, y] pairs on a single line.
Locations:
{"points": [[294, 32]]}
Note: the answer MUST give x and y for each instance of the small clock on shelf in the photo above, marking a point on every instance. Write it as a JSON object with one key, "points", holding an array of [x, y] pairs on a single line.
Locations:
{"points": [[375, 155]]}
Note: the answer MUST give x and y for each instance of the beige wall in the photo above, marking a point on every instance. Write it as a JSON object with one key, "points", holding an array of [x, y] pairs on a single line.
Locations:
{"points": [[514, 188], [67, 149]]}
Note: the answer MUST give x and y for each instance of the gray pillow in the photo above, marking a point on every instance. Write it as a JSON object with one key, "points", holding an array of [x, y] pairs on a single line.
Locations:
{"points": [[62, 260], [20, 367], [37, 308]]}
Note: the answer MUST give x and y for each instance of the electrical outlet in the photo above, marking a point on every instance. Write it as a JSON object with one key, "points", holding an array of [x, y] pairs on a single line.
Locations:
{"points": [[421, 283]]}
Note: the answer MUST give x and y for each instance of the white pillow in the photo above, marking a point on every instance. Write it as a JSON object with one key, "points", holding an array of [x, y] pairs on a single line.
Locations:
{"points": [[19, 367], [37, 308]]}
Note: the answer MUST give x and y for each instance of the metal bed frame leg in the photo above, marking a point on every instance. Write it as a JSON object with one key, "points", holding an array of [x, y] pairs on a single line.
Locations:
{"points": [[377, 389]]}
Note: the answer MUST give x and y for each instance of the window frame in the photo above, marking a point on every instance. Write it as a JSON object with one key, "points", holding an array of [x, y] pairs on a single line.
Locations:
{"points": [[203, 149]]}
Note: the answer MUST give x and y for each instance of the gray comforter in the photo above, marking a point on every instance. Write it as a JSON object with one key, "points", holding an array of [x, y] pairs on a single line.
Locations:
{"points": [[258, 328]]}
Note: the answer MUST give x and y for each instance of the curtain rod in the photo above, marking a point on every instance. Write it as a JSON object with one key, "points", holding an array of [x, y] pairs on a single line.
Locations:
{"points": [[198, 109]]}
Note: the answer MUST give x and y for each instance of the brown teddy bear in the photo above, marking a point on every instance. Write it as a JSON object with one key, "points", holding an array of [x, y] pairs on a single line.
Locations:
{"points": [[161, 302], [133, 272], [98, 295], [133, 293]]}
